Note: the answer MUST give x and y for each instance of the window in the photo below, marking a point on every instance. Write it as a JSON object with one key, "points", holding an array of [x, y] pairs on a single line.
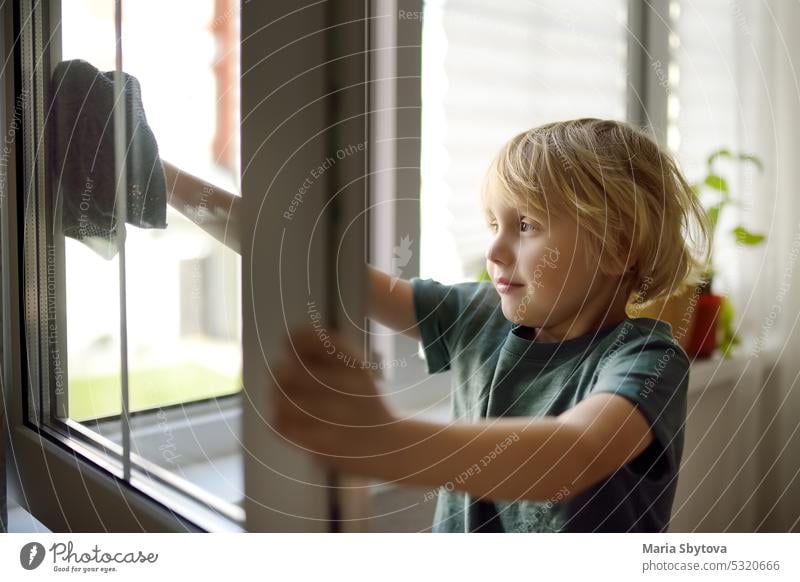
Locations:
{"points": [[175, 327], [141, 367]]}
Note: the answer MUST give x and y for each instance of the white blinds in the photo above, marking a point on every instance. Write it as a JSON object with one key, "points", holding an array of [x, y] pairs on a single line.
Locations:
{"points": [[706, 111], [713, 78], [493, 69]]}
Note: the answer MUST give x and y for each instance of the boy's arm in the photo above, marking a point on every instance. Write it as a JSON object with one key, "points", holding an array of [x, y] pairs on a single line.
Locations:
{"points": [[390, 299], [510, 459], [391, 302], [210, 207]]}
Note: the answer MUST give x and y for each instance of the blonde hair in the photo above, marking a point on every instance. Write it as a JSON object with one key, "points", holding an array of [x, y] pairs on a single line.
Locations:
{"points": [[627, 193]]}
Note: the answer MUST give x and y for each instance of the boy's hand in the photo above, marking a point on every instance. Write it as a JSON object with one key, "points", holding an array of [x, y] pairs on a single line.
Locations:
{"points": [[326, 402]]}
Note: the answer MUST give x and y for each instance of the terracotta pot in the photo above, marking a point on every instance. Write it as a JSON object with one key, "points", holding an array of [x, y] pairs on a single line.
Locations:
{"points": [[678, 310], [704, 336]]}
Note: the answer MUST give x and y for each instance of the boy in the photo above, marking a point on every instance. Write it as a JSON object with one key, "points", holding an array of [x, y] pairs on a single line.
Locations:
{"points": [[568, 414]]}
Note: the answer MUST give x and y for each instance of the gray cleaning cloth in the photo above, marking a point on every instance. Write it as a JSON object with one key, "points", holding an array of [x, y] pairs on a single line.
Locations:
{"points": [[81, 148]]}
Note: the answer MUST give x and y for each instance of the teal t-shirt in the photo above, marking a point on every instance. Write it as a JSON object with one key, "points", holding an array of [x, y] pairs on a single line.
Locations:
{"points": [[497, 372]]}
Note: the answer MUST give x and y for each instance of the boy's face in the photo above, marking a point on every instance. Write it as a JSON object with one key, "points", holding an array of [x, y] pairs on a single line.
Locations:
{"points": [[543, 259]]}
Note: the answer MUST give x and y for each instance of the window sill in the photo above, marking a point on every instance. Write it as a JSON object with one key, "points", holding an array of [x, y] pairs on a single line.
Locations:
{"points": [[188, 457], [718, 371]]}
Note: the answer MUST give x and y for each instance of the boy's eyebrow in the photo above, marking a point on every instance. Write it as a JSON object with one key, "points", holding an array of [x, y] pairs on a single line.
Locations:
{"points": [[488, 214], [489, 217], [532, 216], [521, 209]]}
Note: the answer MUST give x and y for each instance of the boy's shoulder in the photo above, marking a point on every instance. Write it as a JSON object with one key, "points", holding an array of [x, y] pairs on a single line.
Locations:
{"points": [[647, 332], [643, 342]]}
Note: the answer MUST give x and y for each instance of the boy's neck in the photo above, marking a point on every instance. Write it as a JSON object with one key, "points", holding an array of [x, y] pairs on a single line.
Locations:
{"points": [[532, 333], [528, 333]]}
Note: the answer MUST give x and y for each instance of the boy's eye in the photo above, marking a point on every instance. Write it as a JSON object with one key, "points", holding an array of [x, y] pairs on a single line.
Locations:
{"points": [[524, 226]]}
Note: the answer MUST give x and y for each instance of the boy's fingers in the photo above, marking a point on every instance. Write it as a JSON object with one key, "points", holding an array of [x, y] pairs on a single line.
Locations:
{"points": [[306, 344], [298, 379], [290, 378]]}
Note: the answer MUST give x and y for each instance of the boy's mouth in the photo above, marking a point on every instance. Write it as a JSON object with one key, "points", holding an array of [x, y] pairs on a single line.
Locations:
{"points": [[507, 286]]}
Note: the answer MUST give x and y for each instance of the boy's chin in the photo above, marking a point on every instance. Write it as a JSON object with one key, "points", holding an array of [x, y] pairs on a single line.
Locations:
{"points": [[515, 312]]}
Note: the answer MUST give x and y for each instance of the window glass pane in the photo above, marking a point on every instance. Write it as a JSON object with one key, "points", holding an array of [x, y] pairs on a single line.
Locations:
{"points": [[183, 312]]}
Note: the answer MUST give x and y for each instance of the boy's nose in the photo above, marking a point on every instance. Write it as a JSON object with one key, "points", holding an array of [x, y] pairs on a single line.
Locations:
{"points": [[498, 252]]}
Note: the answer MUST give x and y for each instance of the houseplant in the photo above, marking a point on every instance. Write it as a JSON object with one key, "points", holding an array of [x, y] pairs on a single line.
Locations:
{"points": [[716, 188]]}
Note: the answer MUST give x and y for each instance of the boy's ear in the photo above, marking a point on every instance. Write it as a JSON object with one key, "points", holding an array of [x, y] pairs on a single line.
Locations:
{"points": [[626, 270]]}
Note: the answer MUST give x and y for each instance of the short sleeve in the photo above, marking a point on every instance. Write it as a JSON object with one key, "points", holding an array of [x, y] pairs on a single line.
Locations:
{"points": [[441, 311], [654, 376]]}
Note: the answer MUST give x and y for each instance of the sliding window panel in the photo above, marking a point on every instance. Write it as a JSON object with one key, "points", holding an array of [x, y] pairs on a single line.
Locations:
{"points": [[152, 295], [130, 367], [303, 100], [304, 159], [67, 483]]}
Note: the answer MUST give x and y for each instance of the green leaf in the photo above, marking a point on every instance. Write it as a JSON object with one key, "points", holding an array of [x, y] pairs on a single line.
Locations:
{"points": [[753, 159], [717, 182], [721, 153], [726, 346], [726, 153], [713, 214], [745, 237], [729, 338]]}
